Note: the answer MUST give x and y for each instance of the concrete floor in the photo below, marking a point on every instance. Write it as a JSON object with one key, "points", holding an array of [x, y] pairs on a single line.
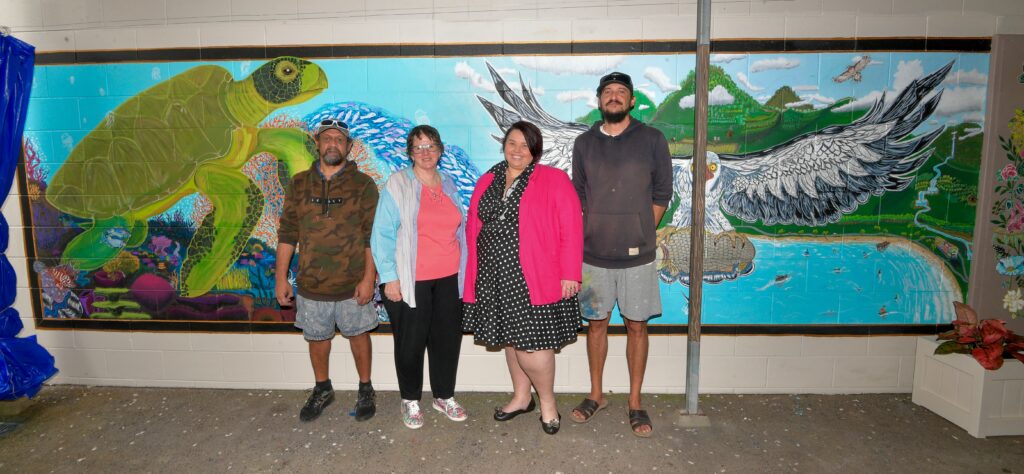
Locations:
{"points": [[107, 429]]}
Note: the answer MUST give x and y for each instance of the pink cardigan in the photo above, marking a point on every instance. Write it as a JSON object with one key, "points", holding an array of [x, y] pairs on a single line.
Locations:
{"points": [[550, 235]]}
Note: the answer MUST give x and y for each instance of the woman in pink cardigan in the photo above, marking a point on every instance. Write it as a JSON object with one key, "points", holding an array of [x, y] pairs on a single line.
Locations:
{"points": [[524, 234]]}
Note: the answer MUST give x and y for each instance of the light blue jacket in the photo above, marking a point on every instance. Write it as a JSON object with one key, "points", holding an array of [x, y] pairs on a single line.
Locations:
{"points": [[393, 241]]}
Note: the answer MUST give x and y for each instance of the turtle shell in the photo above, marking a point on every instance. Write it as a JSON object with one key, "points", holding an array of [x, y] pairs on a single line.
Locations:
{"points": [[147, 148]]}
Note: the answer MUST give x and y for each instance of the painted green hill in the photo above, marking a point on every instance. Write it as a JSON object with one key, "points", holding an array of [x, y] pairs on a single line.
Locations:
{"points": [[669, 112], [786, 95]]}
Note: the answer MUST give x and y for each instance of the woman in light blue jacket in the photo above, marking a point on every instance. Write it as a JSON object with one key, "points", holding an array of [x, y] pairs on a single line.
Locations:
{"points": [[419, 247]]}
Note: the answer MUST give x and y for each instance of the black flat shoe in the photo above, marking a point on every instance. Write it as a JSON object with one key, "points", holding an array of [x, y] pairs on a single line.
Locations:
{"points": [[500, 415], [552, 426]]}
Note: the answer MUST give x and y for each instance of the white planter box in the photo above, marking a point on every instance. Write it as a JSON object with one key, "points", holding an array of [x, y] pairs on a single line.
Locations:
{"points": [[957, 388]]}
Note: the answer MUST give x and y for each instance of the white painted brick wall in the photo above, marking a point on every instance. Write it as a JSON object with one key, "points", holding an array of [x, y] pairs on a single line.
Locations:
{"points": [[119, 24], [729, 364]]}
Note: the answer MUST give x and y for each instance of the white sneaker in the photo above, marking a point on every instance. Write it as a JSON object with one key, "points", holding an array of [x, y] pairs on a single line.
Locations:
{"points": [[411, 414], [450, 408]]}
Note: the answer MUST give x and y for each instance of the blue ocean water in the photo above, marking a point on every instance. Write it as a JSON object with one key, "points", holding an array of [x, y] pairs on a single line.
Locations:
{"points": [[823, 282]]}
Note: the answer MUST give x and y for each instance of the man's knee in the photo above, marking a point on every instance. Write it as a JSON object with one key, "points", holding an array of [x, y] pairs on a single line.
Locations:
{"points": [[635, 328], [598, 326]]}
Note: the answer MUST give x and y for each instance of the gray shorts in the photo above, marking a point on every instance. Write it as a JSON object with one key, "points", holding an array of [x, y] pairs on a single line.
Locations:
{"points": [[317, 319], [635, 289]]}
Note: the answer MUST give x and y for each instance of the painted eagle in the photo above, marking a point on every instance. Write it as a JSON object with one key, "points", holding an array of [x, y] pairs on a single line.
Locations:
{"points": [[810, 180]]}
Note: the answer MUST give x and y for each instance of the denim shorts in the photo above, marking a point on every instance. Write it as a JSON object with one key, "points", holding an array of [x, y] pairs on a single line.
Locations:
{"points": [[317, 319], [635, 289]]}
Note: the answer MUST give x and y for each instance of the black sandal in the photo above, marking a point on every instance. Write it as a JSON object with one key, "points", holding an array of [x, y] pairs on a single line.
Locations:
{"points": [[638, 418], [587, 408]]}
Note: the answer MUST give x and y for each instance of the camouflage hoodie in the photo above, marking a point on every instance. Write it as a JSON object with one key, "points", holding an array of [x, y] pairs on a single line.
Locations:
{"points": [[329, 220]]}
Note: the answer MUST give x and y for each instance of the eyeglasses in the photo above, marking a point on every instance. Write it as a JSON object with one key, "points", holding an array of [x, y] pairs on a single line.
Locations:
{"points": [[333, 123], [329, 124], [421, 149]]}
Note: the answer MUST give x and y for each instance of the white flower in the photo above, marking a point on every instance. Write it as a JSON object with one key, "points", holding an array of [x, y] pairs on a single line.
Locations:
{"points": [[1012, 301]]}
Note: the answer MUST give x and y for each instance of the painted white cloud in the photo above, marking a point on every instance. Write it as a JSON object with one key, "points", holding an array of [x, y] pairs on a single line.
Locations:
{"points": [[589, 65], [660, 79], [506, 70], [972, 77], [818, 98], [774, 63], [726, 58], [570, 96], [862, 103], [465, 71], [958, 100], [743, 79], [651, 94], [857, 59], [906, 72], [718, 96], [805, 88], [814, 100]]}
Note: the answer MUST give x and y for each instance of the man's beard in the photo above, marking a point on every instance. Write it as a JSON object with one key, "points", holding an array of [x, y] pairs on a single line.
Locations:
{"points": [[614, 117], [332, 157]]}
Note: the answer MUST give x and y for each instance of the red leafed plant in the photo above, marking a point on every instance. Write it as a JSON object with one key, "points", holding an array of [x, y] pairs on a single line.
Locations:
{"points": [[987, 340]]}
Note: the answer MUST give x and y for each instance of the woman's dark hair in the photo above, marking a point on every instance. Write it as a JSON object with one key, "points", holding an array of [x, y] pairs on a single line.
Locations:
{"points": [[425, 131], [534, 139]]}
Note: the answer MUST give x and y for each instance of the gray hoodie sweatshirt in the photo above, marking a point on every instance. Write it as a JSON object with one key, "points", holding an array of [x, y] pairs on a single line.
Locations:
{"points": [[619, 179]]}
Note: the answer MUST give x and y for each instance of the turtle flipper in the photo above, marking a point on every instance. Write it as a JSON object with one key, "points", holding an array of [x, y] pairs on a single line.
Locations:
{"points": [[98, 244], [291, 146], [140, 229], [237, 205]]}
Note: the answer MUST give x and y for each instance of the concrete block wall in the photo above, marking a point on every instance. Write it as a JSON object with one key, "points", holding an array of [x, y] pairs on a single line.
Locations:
{"points": [[737, 364]]}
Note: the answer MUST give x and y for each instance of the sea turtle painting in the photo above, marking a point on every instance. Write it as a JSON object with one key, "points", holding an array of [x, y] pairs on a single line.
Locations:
{"points": [[190, 134]]}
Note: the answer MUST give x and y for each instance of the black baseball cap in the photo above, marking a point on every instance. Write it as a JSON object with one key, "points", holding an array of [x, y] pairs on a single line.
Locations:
{"points": [[617, 78]]}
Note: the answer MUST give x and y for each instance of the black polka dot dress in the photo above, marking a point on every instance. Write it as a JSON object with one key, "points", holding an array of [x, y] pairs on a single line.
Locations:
{"points": [[502, 314]]}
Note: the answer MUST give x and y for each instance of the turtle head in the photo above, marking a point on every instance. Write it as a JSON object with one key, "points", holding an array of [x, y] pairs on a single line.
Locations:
{"points": [[287, 81]]}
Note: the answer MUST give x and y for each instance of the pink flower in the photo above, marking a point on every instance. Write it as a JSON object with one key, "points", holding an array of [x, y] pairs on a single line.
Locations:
{"points": [[1009, 171], [1016, 222]]}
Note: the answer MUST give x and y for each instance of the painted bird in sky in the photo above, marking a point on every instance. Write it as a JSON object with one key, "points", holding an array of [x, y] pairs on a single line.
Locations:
{"points": [[854, 70], [810, 180]]}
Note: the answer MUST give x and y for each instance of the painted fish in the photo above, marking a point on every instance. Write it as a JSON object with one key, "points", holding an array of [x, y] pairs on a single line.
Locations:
{"points": [[385, 135]]}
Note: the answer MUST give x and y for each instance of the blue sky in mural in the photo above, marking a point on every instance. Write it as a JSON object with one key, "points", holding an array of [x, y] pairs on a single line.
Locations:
{"points": [[812, 282], [442, 91]]}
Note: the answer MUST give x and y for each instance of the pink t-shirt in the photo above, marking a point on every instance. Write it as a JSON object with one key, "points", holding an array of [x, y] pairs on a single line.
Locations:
{"points": [[437, 249]]}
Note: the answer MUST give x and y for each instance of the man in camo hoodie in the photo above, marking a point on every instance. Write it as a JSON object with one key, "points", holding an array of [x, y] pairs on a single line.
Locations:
{"points": [[328, 214]]}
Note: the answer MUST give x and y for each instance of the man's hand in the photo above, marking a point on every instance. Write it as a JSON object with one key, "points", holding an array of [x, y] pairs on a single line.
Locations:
{"points": [[570, 288], [393, 291], [284, 292], [364, 292]]}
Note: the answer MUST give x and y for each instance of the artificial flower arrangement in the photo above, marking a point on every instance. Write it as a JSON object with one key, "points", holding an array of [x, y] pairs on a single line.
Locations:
{"points": [[987, 340]]}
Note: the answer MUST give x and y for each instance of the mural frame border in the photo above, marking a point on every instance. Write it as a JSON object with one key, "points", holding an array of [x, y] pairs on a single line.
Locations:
{"points": [[345, 51]]}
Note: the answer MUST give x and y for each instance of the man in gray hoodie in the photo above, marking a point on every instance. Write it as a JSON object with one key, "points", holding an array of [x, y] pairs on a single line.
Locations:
{"points": [[622, 171]]}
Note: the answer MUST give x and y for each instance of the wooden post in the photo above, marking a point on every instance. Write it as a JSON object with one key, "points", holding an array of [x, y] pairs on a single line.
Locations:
{"points": [[700, 136]]}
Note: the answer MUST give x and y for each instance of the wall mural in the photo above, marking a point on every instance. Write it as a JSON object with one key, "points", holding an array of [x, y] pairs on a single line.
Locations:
{"points": [[1008, 217], [842, 187]]}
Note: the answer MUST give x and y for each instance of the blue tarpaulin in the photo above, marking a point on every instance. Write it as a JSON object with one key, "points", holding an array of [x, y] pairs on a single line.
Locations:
{"points": [[24, 364]]}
